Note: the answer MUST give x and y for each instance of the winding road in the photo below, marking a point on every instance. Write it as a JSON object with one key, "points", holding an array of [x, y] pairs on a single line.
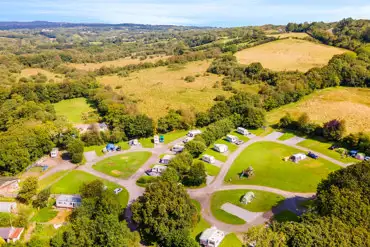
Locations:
{"points": [[203, 195]]}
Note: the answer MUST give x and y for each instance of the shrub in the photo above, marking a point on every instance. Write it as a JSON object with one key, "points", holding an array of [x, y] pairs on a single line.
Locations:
{"points": [[189, 78], [195, 148]]}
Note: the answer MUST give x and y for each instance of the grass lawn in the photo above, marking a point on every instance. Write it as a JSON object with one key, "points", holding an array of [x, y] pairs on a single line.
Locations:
{"points": [[231, 240], [44, 232], [99, 149], [241, 137], [147, 142], [263, 202], [286, 136], [124, 165], [43, 183], [44, 215], [174, 135], [217, 155], [323, 147], [144, 180], [74, 109], [72, 182], [212, 170], [286, 216], [271, 170]]}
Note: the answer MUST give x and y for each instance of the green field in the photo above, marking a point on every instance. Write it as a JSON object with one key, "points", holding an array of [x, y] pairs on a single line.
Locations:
{"points": [[271, 170], [174, 135], [323, 147], [264, 201], [44, 215], [72, 182], [74, 110], [231, 240], [43, 183], [212, 170], [124, 165]]}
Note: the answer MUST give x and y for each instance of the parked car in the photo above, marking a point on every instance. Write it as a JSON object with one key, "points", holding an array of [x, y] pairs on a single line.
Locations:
{"points": [[239, 142], [334, 146], [117, 190], [312, 155], [118, 148], [353, 153], [367, 158]]}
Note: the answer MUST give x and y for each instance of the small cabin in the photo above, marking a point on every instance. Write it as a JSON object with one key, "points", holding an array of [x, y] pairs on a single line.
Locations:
{"points": [[193, 133], [242, 131], [178, 148], [298, 157], [221, 148], [54, 153], [68, 201], [209, 159], [211, 237], [231, 138], [166, 159]]}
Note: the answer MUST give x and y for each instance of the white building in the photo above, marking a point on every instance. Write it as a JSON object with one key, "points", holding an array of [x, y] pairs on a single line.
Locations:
{"points": [[68, 201], [166, 159], [193, 133], [177, 148], [242, 131], [221, 148], [7, 207], [54, 153], [298, 157], [209, 159], [211, 237], [231, 138]]}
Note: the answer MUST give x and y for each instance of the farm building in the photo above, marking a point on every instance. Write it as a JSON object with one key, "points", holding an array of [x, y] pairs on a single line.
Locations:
{"points": [[7, 207], [193, 133], [68, 201], [248, 197], [209, 159], [11, 234], [231, 138], [242, 131], [211, 237], [177, 148], [221, 148], [157, 170], [54, 153], [8, 185], [298, 157], [166, 159]]}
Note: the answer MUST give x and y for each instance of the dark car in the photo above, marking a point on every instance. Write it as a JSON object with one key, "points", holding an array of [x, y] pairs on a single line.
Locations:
{"points": [[312, 155], [332, 147], [118, 148], [239, 142]]}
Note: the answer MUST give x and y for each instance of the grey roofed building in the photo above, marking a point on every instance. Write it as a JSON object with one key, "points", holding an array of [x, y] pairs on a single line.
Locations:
{"points": [[68, 201], [7, 207]]}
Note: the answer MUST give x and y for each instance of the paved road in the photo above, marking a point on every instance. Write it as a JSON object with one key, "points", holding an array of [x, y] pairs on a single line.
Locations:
{"points": [[203, 195]]}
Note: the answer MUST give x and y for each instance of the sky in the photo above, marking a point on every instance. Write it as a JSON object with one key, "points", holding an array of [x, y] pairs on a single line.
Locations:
{"points": [[220, 13]]}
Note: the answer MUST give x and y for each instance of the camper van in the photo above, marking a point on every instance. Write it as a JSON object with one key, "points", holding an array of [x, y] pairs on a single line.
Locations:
{"points": [[242, 131], [209, 159], [193, 133], [177, 148], [231, 138], [156, 139]]}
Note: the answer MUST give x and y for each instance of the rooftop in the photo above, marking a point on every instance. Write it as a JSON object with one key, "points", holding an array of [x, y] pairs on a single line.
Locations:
{"points": [[69, 198], [211, 234], [3, 180]]}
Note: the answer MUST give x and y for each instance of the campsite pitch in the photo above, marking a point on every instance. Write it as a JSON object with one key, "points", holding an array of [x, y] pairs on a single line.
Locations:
{"points": [[271, 170], [122, 166]]}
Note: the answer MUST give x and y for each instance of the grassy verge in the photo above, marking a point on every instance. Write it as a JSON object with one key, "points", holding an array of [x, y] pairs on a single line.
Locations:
{"points": [[201, 225], [43, 183], [231, 240], [144, 180], [286, 136], [122, 166], [211, 169], [174, 135], [72, 182], [271, 170]]}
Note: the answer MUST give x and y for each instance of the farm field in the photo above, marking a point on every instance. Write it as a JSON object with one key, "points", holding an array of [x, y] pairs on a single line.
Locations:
{"points": [[289, 35], [116, 63], [72, 182], [351, 104], [289, 54], [160, 89], [76, 110], [122, 166], [271, 170], [263, 202]]}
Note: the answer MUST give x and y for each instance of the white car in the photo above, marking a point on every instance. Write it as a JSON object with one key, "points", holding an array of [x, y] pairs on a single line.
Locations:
{"points": [[117, 190]]}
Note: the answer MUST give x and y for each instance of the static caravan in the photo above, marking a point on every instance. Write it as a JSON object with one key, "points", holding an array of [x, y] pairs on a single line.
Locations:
{"points": [[68, 201], [221, 148], [211, 237], [242, 131], [177, 148], [298, 157], [156, 139], [166, 159], [209, 159], [231, 138], [54, 153], [193, 133]]}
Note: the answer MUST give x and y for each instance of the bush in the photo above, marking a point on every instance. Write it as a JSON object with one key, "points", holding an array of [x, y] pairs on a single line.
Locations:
{"points": [[334, 129], [220, 98], [195, 148], [196, 175], [75, 148], [189, 78]]}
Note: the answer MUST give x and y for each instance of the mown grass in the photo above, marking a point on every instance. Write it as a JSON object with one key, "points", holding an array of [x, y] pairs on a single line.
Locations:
{"points": [[286, 216], [72, 182], [220, 156], [43, 183], [264, 201], [45, 215], [174, 135], [211, 170], [122, 166], [289, 54], [323, 147], [286, 136], [99, 149], [74, 109], [166, 88], [231, 240], [350, 104], [271, 170]]}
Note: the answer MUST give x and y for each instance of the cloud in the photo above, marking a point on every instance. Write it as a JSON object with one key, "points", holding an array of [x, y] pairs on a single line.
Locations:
{"points": [[184, 12]]}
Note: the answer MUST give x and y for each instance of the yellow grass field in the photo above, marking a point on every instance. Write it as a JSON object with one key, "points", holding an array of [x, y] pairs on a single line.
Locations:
{"points": [[34, 71], [350, 104], [117, 63], [160, 89], [289, 35], [289, 54]]}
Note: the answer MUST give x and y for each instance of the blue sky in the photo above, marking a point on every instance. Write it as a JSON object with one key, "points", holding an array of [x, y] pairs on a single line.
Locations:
{"points": [[184, 12]]}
